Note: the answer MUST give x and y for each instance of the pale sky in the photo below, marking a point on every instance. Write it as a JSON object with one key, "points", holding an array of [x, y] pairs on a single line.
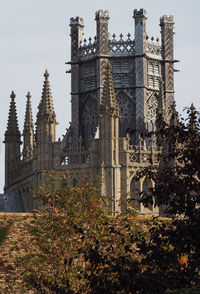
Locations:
{"points": [[34, 36]]}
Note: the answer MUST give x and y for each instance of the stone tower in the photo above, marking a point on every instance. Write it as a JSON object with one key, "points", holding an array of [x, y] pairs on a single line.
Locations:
{"points": [[118, 86], [138, 65]]}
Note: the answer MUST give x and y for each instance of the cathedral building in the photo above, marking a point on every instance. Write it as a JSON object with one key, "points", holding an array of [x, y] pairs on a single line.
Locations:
{"points": [[118, 85]]}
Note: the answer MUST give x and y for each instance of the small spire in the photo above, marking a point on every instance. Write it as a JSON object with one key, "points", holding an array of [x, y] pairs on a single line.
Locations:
{"points": [[28, 122], [174, 115], [192, 124], [46, 74], [109, 103], [12, 96], [46, 108], [28, 132], [12, 126], [192, 108]]}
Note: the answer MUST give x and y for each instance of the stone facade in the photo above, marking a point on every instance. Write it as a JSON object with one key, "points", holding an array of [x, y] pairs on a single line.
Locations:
{"points": [[117, 87]]}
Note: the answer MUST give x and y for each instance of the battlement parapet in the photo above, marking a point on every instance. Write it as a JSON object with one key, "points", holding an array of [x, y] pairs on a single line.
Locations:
{"points": [[139, 13], [76, 21], [88, 49], [75, 156], [153, 47], [121, 46], [143, 153], [103, 15], [166, 19]]}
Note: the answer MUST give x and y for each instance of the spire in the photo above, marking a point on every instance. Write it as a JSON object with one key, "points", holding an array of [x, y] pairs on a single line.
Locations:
{"points": [[12, 126], [192, 124], [109, 104], [46, 117], [28, 122], [46, 109], [174, 115], [28, 130]]}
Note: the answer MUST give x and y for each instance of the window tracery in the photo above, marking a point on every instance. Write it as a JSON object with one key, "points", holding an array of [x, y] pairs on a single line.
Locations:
{"points": [[127, 113], [89, 120], [152, 104]]}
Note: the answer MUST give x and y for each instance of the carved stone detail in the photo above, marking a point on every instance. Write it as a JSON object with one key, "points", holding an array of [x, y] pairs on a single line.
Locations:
{"points": [[139, 93], [102, 18], [151, 108], [167, 23], [121, 47], [77, 25]]}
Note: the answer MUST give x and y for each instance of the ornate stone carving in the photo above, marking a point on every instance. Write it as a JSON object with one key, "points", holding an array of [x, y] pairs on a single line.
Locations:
{"points": [[77, 25], [151, 108], [121, 47], [139, 94], [102, 18]]}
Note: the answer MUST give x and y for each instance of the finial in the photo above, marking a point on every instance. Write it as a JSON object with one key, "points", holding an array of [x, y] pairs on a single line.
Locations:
{"points": [[46, 74], [192, 108], [128, 35], [28, 95], [12, 96]]}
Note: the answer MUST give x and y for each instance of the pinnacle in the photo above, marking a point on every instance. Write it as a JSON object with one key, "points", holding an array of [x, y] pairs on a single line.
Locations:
{"points": [[12, 96], [46, 74], [109, 103], [174, 115], [12, 126], [46, 109], [28, 95], [28, 123], [192, 108]]}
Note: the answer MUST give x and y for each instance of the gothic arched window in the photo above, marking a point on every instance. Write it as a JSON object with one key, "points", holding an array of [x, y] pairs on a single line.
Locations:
{"points": [[127, 113], [145, 189], [134, 194], [89, 120]]}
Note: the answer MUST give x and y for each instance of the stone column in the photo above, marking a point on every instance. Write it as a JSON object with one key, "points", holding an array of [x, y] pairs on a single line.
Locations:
{"points": [[77, 25], [101, 18], [140, 66], [167, 25]]}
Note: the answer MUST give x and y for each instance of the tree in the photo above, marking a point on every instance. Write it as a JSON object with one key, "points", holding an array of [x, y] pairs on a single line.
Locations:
{"points": [[78, 248], [172, 252]]}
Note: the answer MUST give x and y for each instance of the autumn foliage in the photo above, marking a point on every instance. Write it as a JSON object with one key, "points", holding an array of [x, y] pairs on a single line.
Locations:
{"points": [[79, 248]]}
